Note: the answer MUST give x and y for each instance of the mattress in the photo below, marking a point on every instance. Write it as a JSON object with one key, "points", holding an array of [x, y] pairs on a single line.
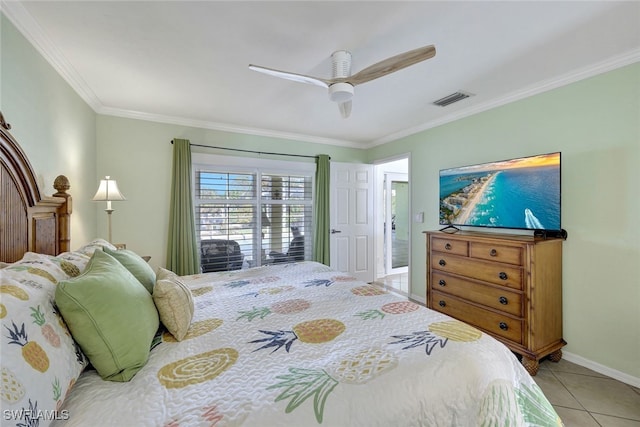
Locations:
{"points": [[302, 345]]}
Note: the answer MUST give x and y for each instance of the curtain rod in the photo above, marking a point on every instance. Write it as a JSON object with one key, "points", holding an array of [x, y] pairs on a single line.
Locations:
{"points": [[252, 151]]}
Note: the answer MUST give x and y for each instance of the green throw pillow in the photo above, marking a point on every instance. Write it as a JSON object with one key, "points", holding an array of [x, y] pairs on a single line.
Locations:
{"points": [[110, 315], [136, 265]]}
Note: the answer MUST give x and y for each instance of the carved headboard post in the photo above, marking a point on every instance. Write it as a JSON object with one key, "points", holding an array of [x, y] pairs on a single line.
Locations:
{"points": [[61, 184]]}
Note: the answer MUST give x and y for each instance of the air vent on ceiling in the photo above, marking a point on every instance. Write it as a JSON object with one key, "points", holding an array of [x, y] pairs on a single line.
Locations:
{"points": [[450, 99]]}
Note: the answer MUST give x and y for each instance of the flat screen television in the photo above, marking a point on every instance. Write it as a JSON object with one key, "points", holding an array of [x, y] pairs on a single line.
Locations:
{"points": [[521, 193]]}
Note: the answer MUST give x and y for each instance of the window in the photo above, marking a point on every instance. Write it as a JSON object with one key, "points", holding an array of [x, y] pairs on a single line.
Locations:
{"points": [[246, 217]]}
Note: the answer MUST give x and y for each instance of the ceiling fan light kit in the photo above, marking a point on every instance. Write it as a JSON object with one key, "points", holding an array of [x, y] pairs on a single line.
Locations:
{"points": [[341, 85], [340, 92]]}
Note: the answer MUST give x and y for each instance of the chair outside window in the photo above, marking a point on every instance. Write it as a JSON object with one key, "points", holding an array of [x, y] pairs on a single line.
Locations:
{"points": [[295, 251], [220, 255]]}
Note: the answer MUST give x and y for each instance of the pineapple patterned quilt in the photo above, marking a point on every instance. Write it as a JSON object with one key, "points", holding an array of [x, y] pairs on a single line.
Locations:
{"points": [[302, 345]]}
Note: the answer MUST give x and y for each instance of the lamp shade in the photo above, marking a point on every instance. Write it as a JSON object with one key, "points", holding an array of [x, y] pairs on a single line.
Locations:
{"points": [[108, 191]]}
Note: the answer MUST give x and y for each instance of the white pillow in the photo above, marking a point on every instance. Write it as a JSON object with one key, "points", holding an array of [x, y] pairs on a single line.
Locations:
{"points": [[175, 305]]}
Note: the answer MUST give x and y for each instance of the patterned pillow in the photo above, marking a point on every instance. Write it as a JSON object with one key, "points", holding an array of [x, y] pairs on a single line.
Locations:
{"points": [[90, 247], [73, 263], [175, 305], [36, 270], [163, 273], [40, 360]]}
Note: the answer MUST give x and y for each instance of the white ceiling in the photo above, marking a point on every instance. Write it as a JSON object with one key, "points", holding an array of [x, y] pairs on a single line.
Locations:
{"points": [[186, 62]]}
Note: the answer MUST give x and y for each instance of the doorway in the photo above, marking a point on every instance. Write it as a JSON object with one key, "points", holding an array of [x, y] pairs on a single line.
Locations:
{"points": [[394, 223]]}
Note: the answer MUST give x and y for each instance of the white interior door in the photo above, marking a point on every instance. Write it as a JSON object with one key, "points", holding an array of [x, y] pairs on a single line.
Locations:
{"points": [[351, 241]]}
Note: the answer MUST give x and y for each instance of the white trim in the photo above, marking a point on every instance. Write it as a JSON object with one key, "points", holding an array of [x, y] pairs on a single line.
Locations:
{"points": [[535, 89], [395, 157], [601, 369], [250, 164], [420, 298], [24, 22], [225, 127]]}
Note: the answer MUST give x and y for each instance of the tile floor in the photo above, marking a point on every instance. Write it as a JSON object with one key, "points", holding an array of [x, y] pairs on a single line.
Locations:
{"points": [[582, 397], [396, 282], [585, 398]]}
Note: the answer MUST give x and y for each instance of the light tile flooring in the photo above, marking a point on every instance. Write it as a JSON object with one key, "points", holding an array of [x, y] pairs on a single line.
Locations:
{"points": [[582, 397], [396, 282]]}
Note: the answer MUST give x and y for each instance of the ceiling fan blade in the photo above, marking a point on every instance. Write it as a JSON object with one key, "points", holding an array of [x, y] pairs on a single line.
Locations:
{"points": [[392, 64], [345, 109], [300, 78]]}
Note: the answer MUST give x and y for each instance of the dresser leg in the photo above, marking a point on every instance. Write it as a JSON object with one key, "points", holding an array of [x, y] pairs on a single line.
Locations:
{"points": [[556, 356], [531, 365]]}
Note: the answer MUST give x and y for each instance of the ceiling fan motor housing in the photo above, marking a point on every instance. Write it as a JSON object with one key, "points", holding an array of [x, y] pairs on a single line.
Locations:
{"points": [[341, 67], [341, 63]]}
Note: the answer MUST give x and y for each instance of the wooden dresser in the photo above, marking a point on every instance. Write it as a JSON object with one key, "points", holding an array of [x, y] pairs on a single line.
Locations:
{"points": [[509, 286]]}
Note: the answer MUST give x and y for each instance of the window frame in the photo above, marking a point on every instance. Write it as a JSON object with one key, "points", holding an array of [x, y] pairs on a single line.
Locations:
{"points": [[258, 167]]}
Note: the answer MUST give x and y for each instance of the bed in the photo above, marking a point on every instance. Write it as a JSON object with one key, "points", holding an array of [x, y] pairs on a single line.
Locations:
{"points": [[286, 344]]}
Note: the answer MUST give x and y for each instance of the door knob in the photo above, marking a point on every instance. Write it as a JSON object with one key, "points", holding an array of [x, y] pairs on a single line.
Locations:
{"points": [[334, 231]]}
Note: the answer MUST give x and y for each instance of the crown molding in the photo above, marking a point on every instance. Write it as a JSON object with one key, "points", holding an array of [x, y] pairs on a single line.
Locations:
{"points": [[30, 29], [225, 127], [25, 23], [592, 70]]}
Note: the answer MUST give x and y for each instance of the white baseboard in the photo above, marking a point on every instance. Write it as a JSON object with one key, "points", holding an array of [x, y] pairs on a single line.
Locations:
{"points": [[419, 298], [601, 369]]}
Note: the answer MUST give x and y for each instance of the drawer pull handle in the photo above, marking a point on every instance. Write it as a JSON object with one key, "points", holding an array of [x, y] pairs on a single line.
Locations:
{"points": [[503, 300], [442, 282], [502, 275], [442, 303], [448, 246], [493, 252], [503, 326], [442, 263]]}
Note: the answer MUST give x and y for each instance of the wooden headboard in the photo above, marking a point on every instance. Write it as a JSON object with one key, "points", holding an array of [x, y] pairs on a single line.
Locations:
{"points": [[29, 222]]}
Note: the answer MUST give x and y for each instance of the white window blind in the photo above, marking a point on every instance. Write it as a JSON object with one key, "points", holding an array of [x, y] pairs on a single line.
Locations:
{"points": [[246, 218]]}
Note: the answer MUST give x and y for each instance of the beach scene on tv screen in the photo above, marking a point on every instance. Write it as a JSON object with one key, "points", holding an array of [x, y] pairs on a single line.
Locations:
{"points": [[516, 193]]}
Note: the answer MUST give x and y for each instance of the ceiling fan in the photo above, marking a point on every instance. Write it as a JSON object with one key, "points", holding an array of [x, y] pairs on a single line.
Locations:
{"points": [[342, 82]]}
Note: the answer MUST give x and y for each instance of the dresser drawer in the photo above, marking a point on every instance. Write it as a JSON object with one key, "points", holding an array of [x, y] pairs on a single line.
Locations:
{"points": [[493, 323], [498, 253], [455, 247], [500, 274], [499, 298]]}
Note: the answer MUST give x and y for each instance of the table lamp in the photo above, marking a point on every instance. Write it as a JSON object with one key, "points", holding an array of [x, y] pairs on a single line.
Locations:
{"points": [[108, 192]]}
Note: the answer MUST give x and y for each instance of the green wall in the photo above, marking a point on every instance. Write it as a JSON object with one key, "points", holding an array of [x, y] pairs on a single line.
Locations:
{"points": [[53, 125], [594, 122], [596, 125]]}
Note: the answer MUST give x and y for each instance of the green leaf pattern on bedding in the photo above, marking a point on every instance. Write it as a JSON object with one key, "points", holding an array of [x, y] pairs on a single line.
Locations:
{"points": [[505, 405], [300, 384], [370, 314], [261, 312], [535, 407]]}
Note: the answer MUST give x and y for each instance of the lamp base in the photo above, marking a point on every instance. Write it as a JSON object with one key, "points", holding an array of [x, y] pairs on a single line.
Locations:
{"points": [[109, 212]]}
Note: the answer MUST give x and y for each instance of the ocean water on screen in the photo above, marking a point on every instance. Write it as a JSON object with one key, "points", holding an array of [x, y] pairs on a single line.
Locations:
{"points": [[521, 198]]}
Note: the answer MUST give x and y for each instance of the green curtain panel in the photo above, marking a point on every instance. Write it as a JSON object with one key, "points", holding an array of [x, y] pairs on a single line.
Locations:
{"points": [[183, 257], [321, 213]]}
